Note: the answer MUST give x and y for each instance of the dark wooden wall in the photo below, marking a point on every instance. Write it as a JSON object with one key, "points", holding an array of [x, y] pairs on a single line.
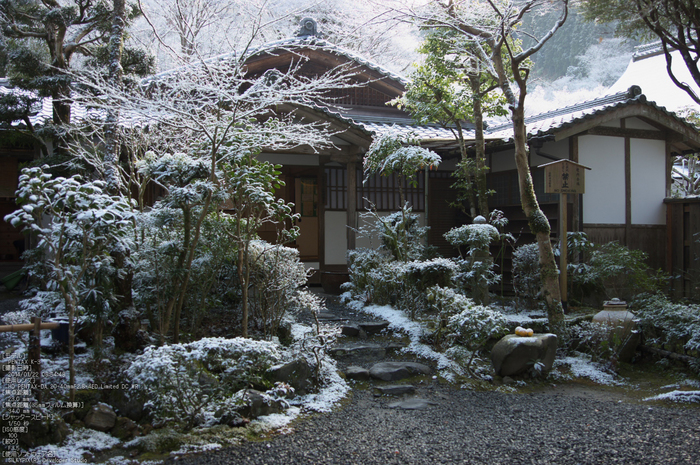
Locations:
{"points": [[647, 238], [683, 245]]}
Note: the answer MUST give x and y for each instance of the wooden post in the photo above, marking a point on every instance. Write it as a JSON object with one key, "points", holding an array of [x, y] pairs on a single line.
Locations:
{"points": [[35, 356], [563, 247], [352, 204], [564, 177]]}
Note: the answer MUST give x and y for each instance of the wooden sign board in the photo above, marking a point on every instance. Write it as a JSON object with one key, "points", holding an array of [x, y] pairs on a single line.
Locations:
{"points": [[564, 177]]}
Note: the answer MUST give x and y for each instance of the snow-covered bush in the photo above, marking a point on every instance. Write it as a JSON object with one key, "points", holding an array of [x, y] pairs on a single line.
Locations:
{"points": [[420, 276], [623, 272], [526, 274], [361, 265], [276, 276], [673, 325], [470, 325], [76, 224], [195, 384], [601, 341], [400, 233], [476, 265]]}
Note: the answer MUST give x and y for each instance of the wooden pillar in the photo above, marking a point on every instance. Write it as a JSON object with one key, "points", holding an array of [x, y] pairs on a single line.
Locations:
{"points": [[563, 248], [352, 204], [321, 183], [576, 224], [35, 356]]}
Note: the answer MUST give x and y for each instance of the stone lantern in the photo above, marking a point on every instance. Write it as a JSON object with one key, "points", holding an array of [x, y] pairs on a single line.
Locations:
{"points": [[623, 324]]}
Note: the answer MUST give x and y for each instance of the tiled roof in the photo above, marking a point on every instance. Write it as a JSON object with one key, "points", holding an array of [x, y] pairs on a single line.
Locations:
{"points": [[295, 42], [547, 123]]}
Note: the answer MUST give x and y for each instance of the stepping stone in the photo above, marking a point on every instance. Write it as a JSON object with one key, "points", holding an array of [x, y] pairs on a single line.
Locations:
{"points": [[325, 316], [396, 389], [359, 350], [374, 327], [412, 404], [353, 331], [358, 373], [394, 371], [395, 346]]}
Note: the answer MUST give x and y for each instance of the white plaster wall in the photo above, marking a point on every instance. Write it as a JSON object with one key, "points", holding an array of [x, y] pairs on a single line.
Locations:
{"points": [[604, 200], [648, 169], [335, 237], [612, 124], [636, 123]]}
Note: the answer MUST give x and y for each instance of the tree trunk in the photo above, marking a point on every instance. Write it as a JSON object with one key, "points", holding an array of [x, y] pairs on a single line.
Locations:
{"points": [[539, 224], [479, 147]]}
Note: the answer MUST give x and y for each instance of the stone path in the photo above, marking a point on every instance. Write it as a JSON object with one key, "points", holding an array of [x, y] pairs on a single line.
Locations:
{"points": [[367, 351]]}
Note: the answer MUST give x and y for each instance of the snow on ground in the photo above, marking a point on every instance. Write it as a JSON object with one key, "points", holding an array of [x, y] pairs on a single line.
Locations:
{"points": [[519, 318], [399, 321], [678, 396], [81, 441], [581, 366]]}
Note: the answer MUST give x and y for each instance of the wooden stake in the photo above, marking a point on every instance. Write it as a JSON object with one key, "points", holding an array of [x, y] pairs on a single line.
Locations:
{"points": [[563, 248]]}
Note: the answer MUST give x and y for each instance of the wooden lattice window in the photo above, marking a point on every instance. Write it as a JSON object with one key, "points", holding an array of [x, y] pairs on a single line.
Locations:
{"points": [[336, 188], [383, 192]]}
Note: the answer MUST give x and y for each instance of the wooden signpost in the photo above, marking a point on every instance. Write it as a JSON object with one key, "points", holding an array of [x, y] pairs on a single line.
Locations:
{"points": [[564, 177]]}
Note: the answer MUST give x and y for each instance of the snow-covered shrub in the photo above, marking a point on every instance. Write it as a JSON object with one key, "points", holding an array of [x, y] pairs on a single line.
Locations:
{"points": [[526, 273], [420, 276], [77, 224], [623, 272], [400, 233], [374, 276], [196, 383], [470, 325], [676, 326], [276, 275], [600, 341], [476, 265]]}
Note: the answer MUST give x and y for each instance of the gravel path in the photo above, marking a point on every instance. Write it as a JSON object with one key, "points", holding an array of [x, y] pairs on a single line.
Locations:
{"points": [[480, 428]]}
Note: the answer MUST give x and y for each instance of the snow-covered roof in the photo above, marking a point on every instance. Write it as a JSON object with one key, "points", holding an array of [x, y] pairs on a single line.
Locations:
{"points": [[647, 69], [547, 122], [295, 43], [550, 122], [42, 111]]}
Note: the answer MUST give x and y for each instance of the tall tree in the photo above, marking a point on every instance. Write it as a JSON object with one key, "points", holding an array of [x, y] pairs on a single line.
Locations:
{"points": [[676, 23], [206, 114], [44, 36], [489, 27], [450, 90]]}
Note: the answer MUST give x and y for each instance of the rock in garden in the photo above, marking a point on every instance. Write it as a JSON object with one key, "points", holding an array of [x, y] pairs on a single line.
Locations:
{"points": [[128, 332], [257, 404], [412, 404], [49, 429], [101, 417], [125, 429], [394, 371], [359, 350], [374, 327], [353, 331], [358, 373], [514, 355], [397, 389], [296, 373], [325, 316]]}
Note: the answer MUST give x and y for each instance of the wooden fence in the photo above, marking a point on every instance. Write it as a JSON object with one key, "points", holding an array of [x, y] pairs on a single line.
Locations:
{"points": [[683, 246]]}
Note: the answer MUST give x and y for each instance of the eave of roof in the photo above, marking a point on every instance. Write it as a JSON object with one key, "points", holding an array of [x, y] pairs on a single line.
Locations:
{"points": [[567, 118], [286, 44]]}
